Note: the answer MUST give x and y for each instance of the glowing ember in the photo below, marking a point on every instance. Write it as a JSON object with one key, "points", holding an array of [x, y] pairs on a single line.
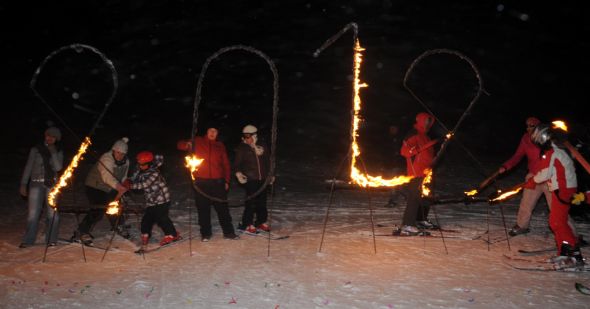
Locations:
{"points": [[67, 174], [471, 193], [426, 182], [558, 124], [506, 195], [192, 163], [355, 175], [113, 208], [449, 135]]}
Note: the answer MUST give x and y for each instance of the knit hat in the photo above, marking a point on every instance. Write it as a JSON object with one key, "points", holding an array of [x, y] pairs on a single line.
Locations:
{"points": [[55, 132], [121, 145]]}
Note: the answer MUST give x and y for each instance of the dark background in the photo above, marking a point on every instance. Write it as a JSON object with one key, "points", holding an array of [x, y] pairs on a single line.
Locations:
{"points": [[532, 58]]}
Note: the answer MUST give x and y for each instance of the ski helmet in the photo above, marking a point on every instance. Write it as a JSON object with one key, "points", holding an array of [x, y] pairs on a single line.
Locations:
{"points": [[145, 157], [541, 134], [249, 129]]}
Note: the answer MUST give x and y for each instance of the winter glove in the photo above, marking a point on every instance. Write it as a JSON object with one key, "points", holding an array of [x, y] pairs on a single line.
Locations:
{"points": [[23, 190], [259, 150], [578, 198], [121, 189], [241, 177], [127, 184], [52, 148]]}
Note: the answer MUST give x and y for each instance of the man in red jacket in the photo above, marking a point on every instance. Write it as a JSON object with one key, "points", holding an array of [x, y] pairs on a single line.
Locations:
{"points": [[419, 152], [212, 178]]}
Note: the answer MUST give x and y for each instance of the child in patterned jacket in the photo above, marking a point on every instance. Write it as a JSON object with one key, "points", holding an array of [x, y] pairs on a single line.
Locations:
{"points": [[157, 196]]}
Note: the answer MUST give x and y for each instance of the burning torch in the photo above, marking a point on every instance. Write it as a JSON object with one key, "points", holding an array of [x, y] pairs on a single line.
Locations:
{"points": [[558, 124]]}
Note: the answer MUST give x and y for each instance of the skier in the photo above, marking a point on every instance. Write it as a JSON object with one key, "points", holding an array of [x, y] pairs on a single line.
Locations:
{"points": [[148, 178], [557, 170], [419, 152], [212, 178], [531, 192], [103, 185], [251, 165], [40, 174]]}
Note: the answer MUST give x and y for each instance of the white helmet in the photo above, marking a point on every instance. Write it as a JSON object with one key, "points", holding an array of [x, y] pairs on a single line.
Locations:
{"points": [[249, 129], [541, 134]]}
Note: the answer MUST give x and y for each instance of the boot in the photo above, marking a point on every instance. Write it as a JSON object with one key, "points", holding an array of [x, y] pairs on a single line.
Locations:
{"points": [[169, 239], [574, 254]]}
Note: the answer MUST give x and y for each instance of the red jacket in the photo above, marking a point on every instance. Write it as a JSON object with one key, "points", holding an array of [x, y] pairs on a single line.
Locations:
{"points": [[215, 164], [418, 148], [530, 150]]}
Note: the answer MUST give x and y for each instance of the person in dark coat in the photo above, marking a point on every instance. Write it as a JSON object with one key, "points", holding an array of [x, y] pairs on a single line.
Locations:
{"points": [[251, 168]]}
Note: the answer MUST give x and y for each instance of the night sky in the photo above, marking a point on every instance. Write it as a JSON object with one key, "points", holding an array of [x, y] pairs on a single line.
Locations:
{"points": [[532, 59]]}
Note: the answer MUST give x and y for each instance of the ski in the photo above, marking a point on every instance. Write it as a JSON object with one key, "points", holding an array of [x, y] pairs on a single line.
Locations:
{"points": [[427, 235], [582, 288], [536, 251], [273, 236], [156, 248], [433, 230], [524, 264]]}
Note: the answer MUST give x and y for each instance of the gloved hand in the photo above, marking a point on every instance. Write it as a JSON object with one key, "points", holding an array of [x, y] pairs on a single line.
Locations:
{"points": [[241, 177], [259, 150], [121, 189], [578, 198], [127, 183], [23, 190], [52, 148]]}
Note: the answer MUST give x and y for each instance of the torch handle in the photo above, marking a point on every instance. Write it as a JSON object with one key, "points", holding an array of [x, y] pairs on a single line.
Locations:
{"points": [[576, 154], [488, 180]]}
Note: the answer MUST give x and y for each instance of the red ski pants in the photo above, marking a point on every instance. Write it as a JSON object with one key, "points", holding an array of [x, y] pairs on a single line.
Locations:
{"points": [[558, 222]]}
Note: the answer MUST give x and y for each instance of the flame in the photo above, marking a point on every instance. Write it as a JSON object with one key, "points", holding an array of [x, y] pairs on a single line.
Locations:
{"points": [[506, 195], [113, 208], [192, 163], [67, 174], [471, 193], [558, 124], [355, 175], [426, 182]]}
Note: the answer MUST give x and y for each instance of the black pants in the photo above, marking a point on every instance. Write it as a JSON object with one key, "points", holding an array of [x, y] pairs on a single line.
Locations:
{"points": [[214, 188], [99, 200], [157, 214], [417, 208], [256, 205]]}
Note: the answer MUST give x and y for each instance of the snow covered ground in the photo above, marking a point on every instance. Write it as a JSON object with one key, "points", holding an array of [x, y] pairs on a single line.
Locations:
{"points": [[408, 272]]}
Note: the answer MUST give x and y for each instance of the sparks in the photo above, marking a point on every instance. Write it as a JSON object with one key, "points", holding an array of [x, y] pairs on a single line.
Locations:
{"points": [[506, 195], [426, 182], [355, 175], [63, 179], [558, 124], [471, 193], [113, 208], [192, 163]]}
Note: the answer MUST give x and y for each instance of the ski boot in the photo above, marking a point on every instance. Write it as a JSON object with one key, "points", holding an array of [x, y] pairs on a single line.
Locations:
{"points": [[86, 239], [168, 239], [264, 227]]}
